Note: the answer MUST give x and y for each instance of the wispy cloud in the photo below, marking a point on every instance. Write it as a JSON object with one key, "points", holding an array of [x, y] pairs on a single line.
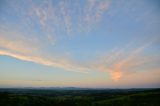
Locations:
{"points": [[63, 64], [93, 12], [14, 41], [64, 10]]}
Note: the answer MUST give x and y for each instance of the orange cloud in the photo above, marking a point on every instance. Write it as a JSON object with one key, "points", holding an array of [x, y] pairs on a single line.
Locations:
{"points": [[120, 63], [116, 75]]}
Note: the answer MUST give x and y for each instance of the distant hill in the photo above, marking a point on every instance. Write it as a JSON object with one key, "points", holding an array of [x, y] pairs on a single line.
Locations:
{"points": [[71, 96]]}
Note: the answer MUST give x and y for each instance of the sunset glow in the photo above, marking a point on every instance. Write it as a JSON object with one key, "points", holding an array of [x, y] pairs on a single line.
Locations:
{"points": [[81, 43]]}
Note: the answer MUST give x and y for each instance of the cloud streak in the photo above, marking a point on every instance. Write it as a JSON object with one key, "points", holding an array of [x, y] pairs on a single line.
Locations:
{"points": [[64, 64]]}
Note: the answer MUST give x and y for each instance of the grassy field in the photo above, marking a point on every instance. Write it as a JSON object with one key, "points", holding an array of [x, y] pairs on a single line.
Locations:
{"points": [[85, 97]]}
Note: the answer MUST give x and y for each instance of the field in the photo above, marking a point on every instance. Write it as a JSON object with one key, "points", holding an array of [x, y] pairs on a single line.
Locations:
{"points": [[79, 97]]}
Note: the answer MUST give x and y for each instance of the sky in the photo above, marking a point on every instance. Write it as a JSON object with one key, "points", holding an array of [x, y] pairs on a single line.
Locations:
{"points": [[80, 43]]}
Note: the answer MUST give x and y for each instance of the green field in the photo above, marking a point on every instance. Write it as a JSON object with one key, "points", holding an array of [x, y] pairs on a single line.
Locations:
{"points": [[41, 97]]}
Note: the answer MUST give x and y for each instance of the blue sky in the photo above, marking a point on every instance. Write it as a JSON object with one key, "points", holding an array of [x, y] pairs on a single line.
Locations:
{"points": [[81, 43]]}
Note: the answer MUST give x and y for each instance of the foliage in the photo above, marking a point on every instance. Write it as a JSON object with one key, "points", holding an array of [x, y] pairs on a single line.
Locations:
{"points": [[81, 98]]}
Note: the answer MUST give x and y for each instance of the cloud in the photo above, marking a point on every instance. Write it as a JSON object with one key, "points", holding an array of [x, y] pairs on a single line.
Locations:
{"points": [[63, 64], [42, 15], [14, 41], [116, 75], [125, 61], [93, 12], [101, 8], [66, 16]]}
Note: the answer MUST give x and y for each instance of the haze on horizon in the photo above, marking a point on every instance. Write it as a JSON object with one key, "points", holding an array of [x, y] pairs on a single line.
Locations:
{"points": [[80, 43]]}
